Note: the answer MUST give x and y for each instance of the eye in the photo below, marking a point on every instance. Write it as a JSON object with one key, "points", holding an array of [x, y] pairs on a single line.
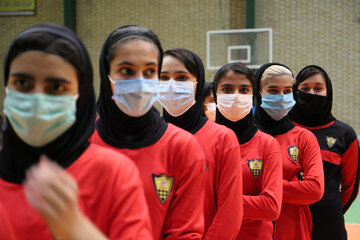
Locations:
{"points": [[273, 91], [244, 90], [148, 73], [164, 77], [181, 77], [227, 90], [318, 89], [23, 85], [305, 89], [287, 91], [56, 88], [126, 71]]}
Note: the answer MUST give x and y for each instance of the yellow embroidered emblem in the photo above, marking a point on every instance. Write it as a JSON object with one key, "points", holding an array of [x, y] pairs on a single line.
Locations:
{"points": [[163, 186], [255, 166], [294, 153], [330, 141]]}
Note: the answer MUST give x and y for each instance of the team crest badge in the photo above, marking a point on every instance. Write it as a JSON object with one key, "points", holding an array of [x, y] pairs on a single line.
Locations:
{"points": [[294, 153], [163, 186], [255, 166], [330, 141]]}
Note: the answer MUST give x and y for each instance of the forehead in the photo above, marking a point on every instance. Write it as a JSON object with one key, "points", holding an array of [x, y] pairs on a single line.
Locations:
{"points": [[39, 63], [314, 79], [136, 50], [234, 79], [172, 64], [278, 81]]}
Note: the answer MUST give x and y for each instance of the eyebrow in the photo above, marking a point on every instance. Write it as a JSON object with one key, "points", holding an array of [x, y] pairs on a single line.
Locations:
{"points": [[23, 75], [131, 64], [278, 86], [165, 72], [125, 63], [317, 83], [57, 80], [226, 85]]}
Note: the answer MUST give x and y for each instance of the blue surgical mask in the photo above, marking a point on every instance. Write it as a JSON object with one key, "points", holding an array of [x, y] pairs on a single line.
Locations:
{"points": [[277, 106], [135, 97], [39, 118], [176, 96]]}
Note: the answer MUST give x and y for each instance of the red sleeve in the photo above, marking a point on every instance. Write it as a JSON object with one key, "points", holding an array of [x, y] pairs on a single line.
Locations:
{"points": [[227, 220], [185, 217], [310, 189], [6, 232], [350, 175], [267, 205], [128, 214]]}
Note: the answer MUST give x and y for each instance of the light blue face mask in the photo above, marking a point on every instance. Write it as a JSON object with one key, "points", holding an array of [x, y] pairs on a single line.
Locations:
{"points": [[135, 97], [277, 106], [39, 118]]}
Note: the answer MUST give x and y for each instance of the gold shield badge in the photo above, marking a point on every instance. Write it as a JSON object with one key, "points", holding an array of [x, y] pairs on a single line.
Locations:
{"points": [[163, 186], [330, 141], [255, 166], [294, 153]]}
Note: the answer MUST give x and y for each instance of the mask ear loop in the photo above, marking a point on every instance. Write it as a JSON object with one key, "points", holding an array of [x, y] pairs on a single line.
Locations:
{"points": [[111, 79]]}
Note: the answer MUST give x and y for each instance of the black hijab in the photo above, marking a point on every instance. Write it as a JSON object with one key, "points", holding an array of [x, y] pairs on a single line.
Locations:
{"points": [[262, 120], [244, 128], [193, 119], [17, 156], [114, 126], [312, 110]]}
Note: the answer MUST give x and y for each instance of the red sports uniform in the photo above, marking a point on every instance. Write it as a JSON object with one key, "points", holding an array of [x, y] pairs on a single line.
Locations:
{"points": [[173, 172], [223, 207], [301, 160], [110, 195], [6, 231], [262, 186]]}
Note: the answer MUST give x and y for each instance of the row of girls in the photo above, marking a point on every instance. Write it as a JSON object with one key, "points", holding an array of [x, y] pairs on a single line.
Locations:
{"points": [[131, 174]]}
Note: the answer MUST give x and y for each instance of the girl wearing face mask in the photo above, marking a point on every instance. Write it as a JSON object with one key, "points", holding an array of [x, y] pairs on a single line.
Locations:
{"points": [[50, 108], [209, 101], [170, 163], [303, 177], [181, 89], [260, 153], [339, 151]]}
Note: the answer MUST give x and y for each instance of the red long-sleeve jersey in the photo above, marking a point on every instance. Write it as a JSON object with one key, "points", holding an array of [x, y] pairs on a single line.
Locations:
{"points": [[172, 171], [340, 155], [262, 186], [110, 195], [6, 230], [223, 208], [301, 160]]}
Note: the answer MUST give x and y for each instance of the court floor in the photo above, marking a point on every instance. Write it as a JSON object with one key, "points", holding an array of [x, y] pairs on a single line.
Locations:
{"points": [[352, 220]]}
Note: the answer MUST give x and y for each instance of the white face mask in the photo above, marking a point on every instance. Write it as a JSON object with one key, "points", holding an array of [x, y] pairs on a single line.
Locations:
{"points": [[176, 96], [211, 111], [234, 106]]}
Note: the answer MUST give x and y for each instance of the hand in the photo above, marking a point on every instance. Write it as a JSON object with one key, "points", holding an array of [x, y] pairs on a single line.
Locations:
{"points": [[54, 193]]}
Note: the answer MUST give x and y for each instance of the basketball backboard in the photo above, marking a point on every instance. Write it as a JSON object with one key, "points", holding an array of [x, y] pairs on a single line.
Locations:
{"points": [[252, 47]]}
